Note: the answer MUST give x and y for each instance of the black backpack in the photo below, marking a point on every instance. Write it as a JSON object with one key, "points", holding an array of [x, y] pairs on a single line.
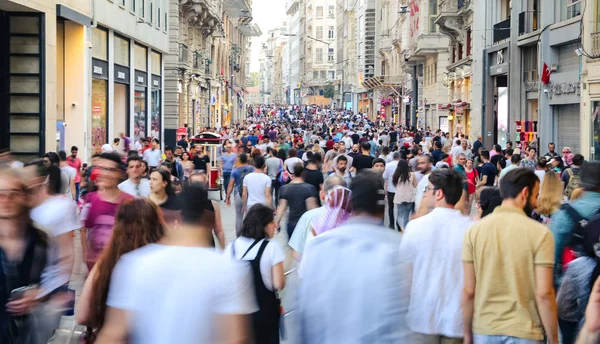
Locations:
{"points": [[582, 228]]}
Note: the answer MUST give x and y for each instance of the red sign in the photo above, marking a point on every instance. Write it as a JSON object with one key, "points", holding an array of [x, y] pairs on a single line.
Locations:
{"points": [[97, 109], [382, 111]]}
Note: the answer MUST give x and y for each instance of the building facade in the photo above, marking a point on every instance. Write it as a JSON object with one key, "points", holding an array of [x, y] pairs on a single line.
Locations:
{"points": [[74, 69], [208, 63]]}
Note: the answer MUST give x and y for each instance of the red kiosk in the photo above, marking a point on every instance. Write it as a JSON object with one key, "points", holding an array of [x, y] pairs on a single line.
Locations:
{"points": [[211, 142]]}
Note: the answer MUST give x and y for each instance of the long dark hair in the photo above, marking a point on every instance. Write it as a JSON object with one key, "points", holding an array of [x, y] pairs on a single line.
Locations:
{"points": [[137, 223], [255, 222], [402, 172], [166, 177]]}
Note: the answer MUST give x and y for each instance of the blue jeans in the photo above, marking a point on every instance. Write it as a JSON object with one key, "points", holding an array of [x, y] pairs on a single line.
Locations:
{"points": [[485, 339], [226, 179], [404, 211], [77, 192]]}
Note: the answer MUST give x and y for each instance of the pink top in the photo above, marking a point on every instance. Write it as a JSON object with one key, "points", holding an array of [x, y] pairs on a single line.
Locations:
{"points": [[76, 164], [99, 218]]}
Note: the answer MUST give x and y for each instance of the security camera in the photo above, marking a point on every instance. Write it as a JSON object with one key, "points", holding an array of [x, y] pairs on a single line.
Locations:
{"points": [[403, 9], [578, 51], [546, 91]]}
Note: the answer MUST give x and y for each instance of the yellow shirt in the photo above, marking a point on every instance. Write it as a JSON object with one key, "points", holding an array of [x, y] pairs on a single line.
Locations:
{"points": [[505, 247]]}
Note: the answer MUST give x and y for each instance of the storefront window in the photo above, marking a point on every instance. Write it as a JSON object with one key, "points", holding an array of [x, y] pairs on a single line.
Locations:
{"points": [[121, 123], [155, 119], [139, 116], [100, 44], [156, 67], [141, 58], [121, 51], [596, 130], [99, 92]]}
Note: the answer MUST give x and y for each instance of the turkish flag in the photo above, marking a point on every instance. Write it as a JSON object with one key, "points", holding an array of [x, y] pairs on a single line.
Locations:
{"points": [[546, 74]]}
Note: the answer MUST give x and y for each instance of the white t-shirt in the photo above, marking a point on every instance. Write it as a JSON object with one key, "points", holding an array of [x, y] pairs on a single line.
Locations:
{"points": [[136, 190], [421, 190], [302, 233], [67, 173], [292, 162], [272, 256], [257, 184], [197, 284], [56, 216], [152, 157]]}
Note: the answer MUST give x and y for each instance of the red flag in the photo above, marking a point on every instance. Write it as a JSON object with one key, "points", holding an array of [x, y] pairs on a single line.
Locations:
{"points": [[546, 74]]}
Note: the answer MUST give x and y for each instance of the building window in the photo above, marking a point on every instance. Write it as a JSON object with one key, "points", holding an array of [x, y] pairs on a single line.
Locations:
{"points": [[434, 72], [530, 63], [319, 32], [460, 51], [468, 43], [151, 12], [121, 46], [319, 11], [165, 27], [323, 74], [100, 44], [133, 6], [143, 13], [331, 32], [330, 55], [319, 55], [433, 12], [122, 3], [331, 12], [158, 17], [315, 75], [332, 74], [573, 9]]}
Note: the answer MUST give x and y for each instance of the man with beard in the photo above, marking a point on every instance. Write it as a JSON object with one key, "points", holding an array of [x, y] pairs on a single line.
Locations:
{"points": [[522, 287]]}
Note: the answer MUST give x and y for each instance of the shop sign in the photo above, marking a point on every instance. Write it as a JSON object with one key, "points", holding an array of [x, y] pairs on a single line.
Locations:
{"points": [[140, 78], [156, 82], [564, 88], [121, 74], [99, 69]]}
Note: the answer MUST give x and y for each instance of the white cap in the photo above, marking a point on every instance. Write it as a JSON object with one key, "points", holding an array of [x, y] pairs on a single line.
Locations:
{"points": [[106, 148]]}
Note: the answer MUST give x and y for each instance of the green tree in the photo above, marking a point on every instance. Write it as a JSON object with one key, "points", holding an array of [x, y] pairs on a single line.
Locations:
{"points": [[329, 91]]}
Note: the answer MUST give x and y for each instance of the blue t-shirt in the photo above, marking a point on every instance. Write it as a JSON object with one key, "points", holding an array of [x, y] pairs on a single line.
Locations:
{"points": [[489, 170], [236, 176], [228, 160], [253, 139]]}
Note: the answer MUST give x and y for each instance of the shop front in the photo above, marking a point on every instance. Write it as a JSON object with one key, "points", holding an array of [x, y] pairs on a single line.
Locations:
{"points": [[156, 95], [595, 127], [140, 97], [122, 79], [99, 123]]}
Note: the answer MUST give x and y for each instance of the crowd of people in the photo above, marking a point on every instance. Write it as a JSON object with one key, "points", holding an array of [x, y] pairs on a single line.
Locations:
{"points": [[400, 235]]}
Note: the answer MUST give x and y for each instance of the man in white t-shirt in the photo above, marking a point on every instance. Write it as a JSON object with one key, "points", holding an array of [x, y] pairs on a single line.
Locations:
{"points": [[256, 186], [425, 166], [135, 185], [153, 156], [155, 285]]}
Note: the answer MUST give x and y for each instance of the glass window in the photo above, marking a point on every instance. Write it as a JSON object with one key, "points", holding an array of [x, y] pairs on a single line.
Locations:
{"points": [[573, 9], [143, 9], [315, 75], [331, 32], [319, 11], [331, 12], [330, 55], [139, 113], [100, 44], [158, 17], [122, 3], [133, 6], [151, 12], [165, 26], [332, 74], [323, 74], [156, 67], [319, 55], [155, 118], [319, 32], [121, 51], [99, 95], [141, 58], [596, 130]]}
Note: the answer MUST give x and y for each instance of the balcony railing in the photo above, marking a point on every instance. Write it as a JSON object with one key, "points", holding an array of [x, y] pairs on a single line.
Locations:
{"points": [[501, 31], [595, 44], [528, 22]]}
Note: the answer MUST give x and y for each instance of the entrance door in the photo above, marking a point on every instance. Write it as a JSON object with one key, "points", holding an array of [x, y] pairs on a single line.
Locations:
{"points": [[567, 129], [22, 117]]}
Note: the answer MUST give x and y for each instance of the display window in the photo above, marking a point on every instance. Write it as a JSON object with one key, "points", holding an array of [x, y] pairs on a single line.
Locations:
{"points": [[99, 118], [139, 115], [596, 130]]}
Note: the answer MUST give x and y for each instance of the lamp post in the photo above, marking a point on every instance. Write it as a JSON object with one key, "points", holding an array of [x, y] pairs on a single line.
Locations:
{"points": [[234, 54]]}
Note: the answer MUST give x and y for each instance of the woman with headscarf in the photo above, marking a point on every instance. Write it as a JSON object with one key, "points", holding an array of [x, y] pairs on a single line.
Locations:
{"points": [[567, 156], [338, 209]]}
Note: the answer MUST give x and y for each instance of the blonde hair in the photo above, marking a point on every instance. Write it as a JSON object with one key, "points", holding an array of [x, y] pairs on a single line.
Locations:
{"points": [[551, 194], [575, 194]]}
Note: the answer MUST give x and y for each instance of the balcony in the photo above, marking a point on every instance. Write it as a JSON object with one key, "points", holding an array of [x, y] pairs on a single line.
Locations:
{"points": [[528, 22], [292, 6], [250, 30], [449, 20], [205, 13], [501, 31], [430, 44], [595, 44], [237, 8], [184, 60]]}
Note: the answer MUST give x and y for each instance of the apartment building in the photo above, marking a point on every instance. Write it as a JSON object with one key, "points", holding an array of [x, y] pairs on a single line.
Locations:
{"points": [[590, 81]]}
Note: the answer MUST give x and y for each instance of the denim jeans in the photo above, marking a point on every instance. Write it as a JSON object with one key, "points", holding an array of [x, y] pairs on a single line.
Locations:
{"points": [[226, 179], [404, 211], [77, 192], [485, 339], [390, 201]]}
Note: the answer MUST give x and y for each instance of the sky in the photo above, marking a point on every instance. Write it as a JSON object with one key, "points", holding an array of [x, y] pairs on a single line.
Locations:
{"points": [[267, 14]]}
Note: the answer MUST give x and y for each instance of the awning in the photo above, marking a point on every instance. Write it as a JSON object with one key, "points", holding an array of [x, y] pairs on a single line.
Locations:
{"points": [[250, 30], [392, 82]]}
